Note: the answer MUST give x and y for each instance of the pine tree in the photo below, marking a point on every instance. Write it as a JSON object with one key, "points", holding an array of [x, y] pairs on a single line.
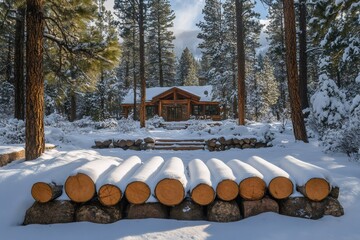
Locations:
{"points": [[35, 135], [276, 38], [161, 56], [187, 69]]}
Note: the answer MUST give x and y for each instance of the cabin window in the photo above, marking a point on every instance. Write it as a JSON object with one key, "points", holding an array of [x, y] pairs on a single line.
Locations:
{"points": [[197, 110], [212, 110], [150, 111]]}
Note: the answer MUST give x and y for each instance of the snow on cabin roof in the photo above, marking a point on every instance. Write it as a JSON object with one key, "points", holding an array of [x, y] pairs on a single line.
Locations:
{"points": [[204, 92]]}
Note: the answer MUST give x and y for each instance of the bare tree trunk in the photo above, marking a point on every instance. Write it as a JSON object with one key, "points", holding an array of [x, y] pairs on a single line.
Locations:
{"points": [[142, 63], [292, 74], [303, 81], [72, 116], [240, 61], [35, 137], [19, 64]]}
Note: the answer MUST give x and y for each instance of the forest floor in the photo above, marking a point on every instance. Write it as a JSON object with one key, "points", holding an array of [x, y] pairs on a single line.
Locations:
{"points": [[74, 149]]}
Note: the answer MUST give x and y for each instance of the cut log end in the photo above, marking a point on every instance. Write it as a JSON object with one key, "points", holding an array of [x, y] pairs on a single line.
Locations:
{"points": [[170, 192], [252, 188], [109, 195], [281, 187], [227, 190], [137, 192], [80, 188], [45, 192], [317, 189], [203, 194]]}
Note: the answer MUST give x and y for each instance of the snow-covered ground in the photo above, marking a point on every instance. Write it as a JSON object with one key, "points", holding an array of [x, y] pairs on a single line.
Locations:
{"points": [[74, 150]]}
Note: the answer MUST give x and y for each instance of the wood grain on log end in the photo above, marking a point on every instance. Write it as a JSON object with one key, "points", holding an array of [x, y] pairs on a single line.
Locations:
{"points": [[109, 195], [252, 188], [80, 188], [137, 192], [45, 192], [170, 192], [281, 187], [317, 189], [227, 190], [203, 194]]}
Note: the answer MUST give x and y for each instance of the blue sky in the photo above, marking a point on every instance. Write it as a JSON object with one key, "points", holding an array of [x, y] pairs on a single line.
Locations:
{"points": [[188, 13]]}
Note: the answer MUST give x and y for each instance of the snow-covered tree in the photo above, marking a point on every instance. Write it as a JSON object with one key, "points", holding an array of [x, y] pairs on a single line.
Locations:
{"points": [[160, 48], [328, 105], [187, 69]]}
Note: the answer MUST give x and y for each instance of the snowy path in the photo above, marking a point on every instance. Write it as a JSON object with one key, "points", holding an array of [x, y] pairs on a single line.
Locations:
{"points": [[17, 178]]}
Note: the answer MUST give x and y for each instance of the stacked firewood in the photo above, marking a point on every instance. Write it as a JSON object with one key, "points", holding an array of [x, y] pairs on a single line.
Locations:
{"points": [[105, 191]]}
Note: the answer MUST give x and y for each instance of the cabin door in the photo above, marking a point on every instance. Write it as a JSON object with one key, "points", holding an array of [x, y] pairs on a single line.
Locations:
{"points": [[174, 113]]}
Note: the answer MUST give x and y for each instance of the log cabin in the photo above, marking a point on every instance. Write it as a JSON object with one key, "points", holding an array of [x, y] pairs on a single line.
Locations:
{"points": [[176, 103]]}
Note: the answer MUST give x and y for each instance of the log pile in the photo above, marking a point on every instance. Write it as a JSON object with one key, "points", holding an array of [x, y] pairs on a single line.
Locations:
{"points": [[214, 144], [213, 191], [222, 144]]}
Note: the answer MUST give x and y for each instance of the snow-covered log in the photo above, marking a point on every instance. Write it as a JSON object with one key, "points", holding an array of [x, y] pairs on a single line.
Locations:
{"points": [[250, 180], [80, 185], [140, 184], [224, 180], [200, 185], [312, 181], [45, 192], [112, 187], [172, 182], [278, 181]]}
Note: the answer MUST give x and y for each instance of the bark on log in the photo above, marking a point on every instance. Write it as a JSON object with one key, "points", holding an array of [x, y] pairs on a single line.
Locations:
{"points": [[147, 210], [46, 192], [252, 208], [305, 208], [251, 183], [221, 211], [96, 213], [138, 190], [50, 213], [187, 210], [170, 190], [201, 190], [80, 188], [112, 186], [279, 184], [224, 180], [109, 195], [103, 144], [312, 181], [316, 189], [80, 185]]}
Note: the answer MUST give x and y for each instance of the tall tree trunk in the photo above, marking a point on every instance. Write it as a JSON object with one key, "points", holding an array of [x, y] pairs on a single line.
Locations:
{"points": [[19, 64], [292, 74], [35, 137], [134, 75], [142, 63], [240, 60], [8, 73], [303, 81], [72, 116]]}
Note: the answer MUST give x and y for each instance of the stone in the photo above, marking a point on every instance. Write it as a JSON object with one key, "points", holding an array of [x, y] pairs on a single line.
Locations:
{"points": [[147, 210], [221, 211], [103, 144], [130, 143], [97, 213], [50, 213], [187, 210], [252, 208], [138, 142], [149, 140], [333, 207]]}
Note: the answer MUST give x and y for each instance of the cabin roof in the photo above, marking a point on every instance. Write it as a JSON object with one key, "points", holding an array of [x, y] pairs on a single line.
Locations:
{"points": [[205, 93]]}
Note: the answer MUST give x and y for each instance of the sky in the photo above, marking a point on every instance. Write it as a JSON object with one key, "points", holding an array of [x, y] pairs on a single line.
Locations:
{"points": [[188, 14]]}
